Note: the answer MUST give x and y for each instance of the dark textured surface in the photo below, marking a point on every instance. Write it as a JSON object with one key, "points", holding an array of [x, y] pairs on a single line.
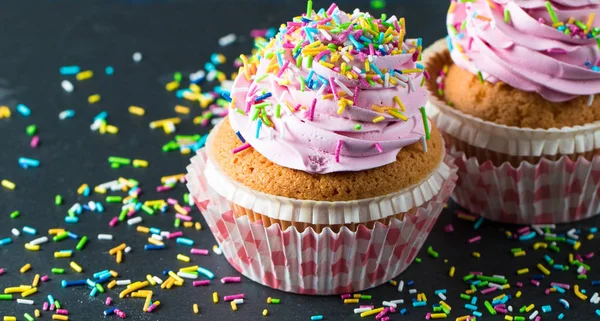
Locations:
{"points": [[39, 36]]}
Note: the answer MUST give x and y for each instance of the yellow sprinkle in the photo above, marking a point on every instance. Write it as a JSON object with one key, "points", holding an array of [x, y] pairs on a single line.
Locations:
{"points": [[82, 188], [411, 71], [499, 297], [367, 66], [100, 190], [150, 279], [397, 114], [198, 226], [444, 304], [172, 86], [8, 184], [162, 122], [143, 229], [452, 270], [114, 273], [111, 129], [326, 64], [543, 269], [36, 280], [19, 289], [476, 254], [32, 247], [539, 245], [506, 286], [83, 75], [119, 257], [265, 312], [175, 277], [399, 102], [233, 306], [189, 269], [578, 293], [133, 287], [438, 315], [356, 295], [112, 284], [518, 294], [10, 318], [155, 242], [36, 313], [58, 255], [25, 268], [28, 292], [370, 312], [147, 302], [590, 237], [590, 21], [378, 119], [182, 109], [195, 308], [135, 110], [94, 99], [75, 267], [349, 301], [522, 271], [215, 297], [60, 317], [520, 253], [116, 249], [195, 88], [4, 112], [530, 307], [577, 245], [183, 258], [188, 224], [508, 318]]}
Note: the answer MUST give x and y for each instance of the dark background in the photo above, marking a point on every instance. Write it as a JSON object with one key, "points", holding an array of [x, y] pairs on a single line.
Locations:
{"points": [[37, 37]]}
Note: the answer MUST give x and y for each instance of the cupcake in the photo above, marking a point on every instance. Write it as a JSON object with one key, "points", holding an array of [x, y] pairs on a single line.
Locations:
{"points": [[514, 92], [325, 177]]}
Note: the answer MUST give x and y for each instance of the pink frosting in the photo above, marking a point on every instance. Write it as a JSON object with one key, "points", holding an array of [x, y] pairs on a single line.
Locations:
{"points": [[295, 141], [527, 52]]}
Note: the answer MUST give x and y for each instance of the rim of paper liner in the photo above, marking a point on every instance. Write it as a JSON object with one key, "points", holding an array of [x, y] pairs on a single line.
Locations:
{"points": [[324, 212], [500, 138]]}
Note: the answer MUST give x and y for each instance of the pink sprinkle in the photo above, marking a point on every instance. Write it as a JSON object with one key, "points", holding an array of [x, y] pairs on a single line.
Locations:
{"points": [[163, 188], [519, 284], [233, 297], [108, 301], [201, 283], [35, 141], [51, 307], [364, 306], [283, 68], [589, 255], [578, 258], [488, 290], [62, 311], [560, 51], [331, 9], [45, 306], [333, 89], [312, 109], [426, 74], [382, 313], [152, 307], [1, 271], [113, 222], [474, 239], [379, 148], [449, 228], [131, 212], [321, 55], [182, 217], [187, 208], [476, 273], [385, 318], [338, 148], [541, 20], [501, 310], [561, 285], [199, 251], [583, 271], [428, 316], [241, 148], [248, 106], [523, 230], [346, 296], [44, 278], [355, 98], [231, 279], [175, 235], [547, 291], [535, 282], [297, 108], [361, 57], [371, 50], [172, 201], [255, 33]]}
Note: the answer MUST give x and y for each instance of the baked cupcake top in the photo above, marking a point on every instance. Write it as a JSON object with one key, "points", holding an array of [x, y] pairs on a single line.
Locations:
{"points": [[548, 47], [332, 92]]}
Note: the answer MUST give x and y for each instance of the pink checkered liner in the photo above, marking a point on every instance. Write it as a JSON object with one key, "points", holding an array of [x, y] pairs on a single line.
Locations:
{"points": [[549, 192], [309, 262]]}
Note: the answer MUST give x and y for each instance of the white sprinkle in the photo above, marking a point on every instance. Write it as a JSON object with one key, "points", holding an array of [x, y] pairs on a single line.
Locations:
{"points": [[537, 230], [123, 282], [187, 275], [74, 207], [215, 121], [386, 82], [135, 220], [23, 301], [370, 57], [533, 315], [389, 304], [571, 234], [157, 279], [239, 90], [15, 232], [67, 86], [281, 133], [217, 250], [580, 269], [106, 237], [361, 310], [509, 308], [499, 276], [326, 34], [594, 298], [550, 235], [128, 249], [108, 184], [157, 237], [412, 291], [211, 75], [96, 125], [346, 59], [442, 296], [411, 85], [344, 88], [137, 56], [165, 233], [357, 70], [198, 75], [66, 114], [400, 301], [402, 77], [424, 143], [39, 240], [227, 40], [494, 285], [92, 206], [590, 100], [401, 286], [238, 301], [551, 226]]}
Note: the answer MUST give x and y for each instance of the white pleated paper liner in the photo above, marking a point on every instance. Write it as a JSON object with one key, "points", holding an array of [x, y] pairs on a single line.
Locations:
{"points": [[553, 190], [315, 263]]}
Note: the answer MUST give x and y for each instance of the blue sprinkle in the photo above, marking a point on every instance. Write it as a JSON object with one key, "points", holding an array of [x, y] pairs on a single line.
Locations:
{"points": [[559, 289], [258, 125], [69, 70], [584, 291], [154, 230], [101, 115], [527, 236], [443, 291], [419, 304], [365, 39], [410, 283], [5, 241], [263, 97], [185, 241], [28, 162], [403, 311], [94, 291], [570, 241], [109, 70], [470, 307], [50, 299], [546, 309], [73, 236], [110, 311], [316, 317], [478, 223], [99, 207], [561, 316], [449, 43], [150, 247], [23, 110], [239, 135], [65, 283], [226, 96], [98, 274], [537, 276], [477, 314], [71, 219], [596, 282], [29, 230], [474, 300], [593, 230], [90, 283], [209, 66], [206, 273], [598, 312]]}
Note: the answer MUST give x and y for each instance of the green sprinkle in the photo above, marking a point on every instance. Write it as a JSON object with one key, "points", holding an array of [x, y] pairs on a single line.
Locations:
{"points": [[57, 271], [425, 123], [115, 165], [309, 9], [480, 75], [598, 41], [463, 26], [468, 277], [506, 16], [114, 199], [432, 253], [119, 160], [522, 309], [261, 78], [58, 200], [519, 318], [275, 301], [371, 82], [122, 215], [99, 287], [357, 127], [186, 198], [177, 222], [465, 296], [302, 83], [445, 310], [277, 112], [177, 77], [581, 25], [148, 210], [453, 29], [440, 92], [491, 279], [482, 284], [437, 309], [31, 129], [378, 4], [422, 81], [516, 249], [57, 304], [299, 61], [28, 317], [418, 260], [555, 238], [6, 296], [256, 113], [239, 111], [15, 214], [310, 61], [365, 297], [582, 277], [554, 248], [81, 243], [61, 236], [489, 307], [551, 12]]}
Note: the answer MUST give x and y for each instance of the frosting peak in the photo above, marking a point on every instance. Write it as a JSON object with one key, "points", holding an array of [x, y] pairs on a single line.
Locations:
{"points": [[548, 47], [332, 92]]}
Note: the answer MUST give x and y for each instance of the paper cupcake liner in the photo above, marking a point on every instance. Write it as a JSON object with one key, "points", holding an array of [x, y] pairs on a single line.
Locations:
{"points": [[518, 175], [309, 262]]}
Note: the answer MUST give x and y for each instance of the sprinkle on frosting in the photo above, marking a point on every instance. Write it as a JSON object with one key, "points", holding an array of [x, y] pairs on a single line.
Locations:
{"points": [[351, 78], [548, 47]]}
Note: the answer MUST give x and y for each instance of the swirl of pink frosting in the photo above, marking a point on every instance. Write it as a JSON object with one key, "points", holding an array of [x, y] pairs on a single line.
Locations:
{"points": [[324, 139], [514, 41]]}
